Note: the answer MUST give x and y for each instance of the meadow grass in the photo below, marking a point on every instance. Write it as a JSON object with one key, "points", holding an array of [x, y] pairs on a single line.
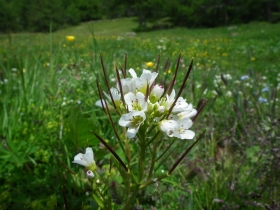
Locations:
{"points": [[48, 93]]}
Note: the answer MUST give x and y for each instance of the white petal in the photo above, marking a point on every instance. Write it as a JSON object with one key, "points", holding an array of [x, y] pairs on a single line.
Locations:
{"points": [[168, 126], [132, 73], [182, 131], [141, 100], [188, 134], [185, 123], [131, 132], [172, 95], [79, 159], [98, 103], [89, 156], [125, 120], [115, 94], [148, 76], [173, 117], [128, 85], [190, 112], [180, 105], [157, 91], [129, 98], [84, 159], [160, 109]]}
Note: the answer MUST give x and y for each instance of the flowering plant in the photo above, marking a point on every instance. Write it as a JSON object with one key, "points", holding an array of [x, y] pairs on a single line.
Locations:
{"points": [[151, 114]]}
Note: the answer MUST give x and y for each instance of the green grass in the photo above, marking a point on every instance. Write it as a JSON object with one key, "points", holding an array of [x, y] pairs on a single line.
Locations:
{"points": [[48, 93]]}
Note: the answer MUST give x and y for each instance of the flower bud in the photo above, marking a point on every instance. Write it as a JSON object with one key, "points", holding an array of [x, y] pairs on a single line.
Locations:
{"points": [[90, 174], [156, 93]]}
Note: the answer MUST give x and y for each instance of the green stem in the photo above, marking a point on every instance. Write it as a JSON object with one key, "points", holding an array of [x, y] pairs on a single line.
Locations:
{"points": [[141, 164], [166, 149], [131, 198], [150, 181], [155, 146], [98, 201]]}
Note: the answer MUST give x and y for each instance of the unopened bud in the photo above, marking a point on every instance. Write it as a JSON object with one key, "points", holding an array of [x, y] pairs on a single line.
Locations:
{"points": [[90, 174], [156, 93]]}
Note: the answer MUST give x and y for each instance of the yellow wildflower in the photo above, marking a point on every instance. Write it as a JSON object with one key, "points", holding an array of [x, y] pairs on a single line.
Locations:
{"points": [[149, 64], [70, 38]]}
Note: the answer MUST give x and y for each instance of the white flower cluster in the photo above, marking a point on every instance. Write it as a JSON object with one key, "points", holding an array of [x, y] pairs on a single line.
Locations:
{"points": [[145, 106]]}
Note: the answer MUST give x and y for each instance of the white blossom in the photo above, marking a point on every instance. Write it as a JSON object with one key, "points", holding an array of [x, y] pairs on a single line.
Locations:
{"points": [[86, 159], [178, 128], [135, 102], [132, 121]]}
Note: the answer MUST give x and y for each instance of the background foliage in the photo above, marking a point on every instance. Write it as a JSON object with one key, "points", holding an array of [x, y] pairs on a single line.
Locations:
{"points": [[30, 15]]}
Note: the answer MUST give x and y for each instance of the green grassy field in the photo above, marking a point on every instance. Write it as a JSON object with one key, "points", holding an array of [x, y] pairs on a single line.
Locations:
{"points": [[48, 93]]}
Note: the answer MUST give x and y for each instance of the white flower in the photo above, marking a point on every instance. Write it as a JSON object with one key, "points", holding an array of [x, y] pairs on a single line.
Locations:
{"points": [[128, 85], [148, 76], [184, 109], [86, 159], [115, 95], [181, 105], [167, 102], [182, 131], [132, 73], [132, 120], [135, 102], [156, 93], [90, 174], [178, 128], [100, 102], [188, 112], [168, 127]]}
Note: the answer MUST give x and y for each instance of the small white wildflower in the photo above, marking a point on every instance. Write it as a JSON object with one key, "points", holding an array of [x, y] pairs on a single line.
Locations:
{"points": [[86, 159], [177, 129], [132, 121], [135, 102]]}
